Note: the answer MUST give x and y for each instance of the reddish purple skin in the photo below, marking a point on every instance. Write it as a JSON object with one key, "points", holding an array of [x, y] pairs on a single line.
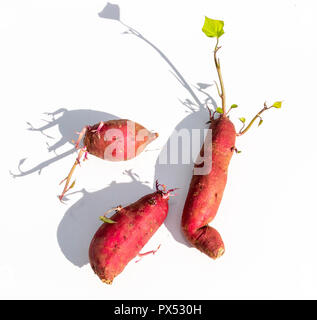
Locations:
{"points": [[114, 245], [96, 143], [205, 191]]}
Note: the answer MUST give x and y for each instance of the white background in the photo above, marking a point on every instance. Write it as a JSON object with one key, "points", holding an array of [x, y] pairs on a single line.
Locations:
{"points": [[62, 54]]}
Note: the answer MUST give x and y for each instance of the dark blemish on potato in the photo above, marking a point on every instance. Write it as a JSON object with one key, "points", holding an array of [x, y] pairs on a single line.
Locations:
{"points": [[152, 201]]}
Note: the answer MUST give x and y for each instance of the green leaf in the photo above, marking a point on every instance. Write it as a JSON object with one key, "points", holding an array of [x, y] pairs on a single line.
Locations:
{"points": [[72, 185], [234, 106], [277, 104], [106, 220], [219, 110], [239, 151], [261, 121], [213, 28], [242, 119]]}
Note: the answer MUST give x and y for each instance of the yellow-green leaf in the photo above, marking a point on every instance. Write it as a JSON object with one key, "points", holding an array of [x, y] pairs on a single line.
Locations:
{"points": [[213, 28], [277, 104], [219, 110], [242, 119], [260, 122], [106, 220], [234, 106], [72, 185]]}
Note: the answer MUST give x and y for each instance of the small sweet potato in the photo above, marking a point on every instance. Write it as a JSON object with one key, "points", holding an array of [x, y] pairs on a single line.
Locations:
{"points": [[117, 140], [114, 140]]}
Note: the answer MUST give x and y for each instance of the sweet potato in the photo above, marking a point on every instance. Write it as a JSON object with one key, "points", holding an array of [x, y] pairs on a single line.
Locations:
{"points": [[205, 191], [117, 140], [114, 140], [115, 244]]}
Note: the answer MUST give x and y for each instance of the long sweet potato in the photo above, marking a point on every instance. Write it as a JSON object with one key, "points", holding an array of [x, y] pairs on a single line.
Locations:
{"points": [[206, 190]]}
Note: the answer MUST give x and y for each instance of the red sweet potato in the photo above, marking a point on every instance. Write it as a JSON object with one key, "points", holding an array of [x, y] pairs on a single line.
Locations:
{"points": [[205, 191], [117, 140], [115, 244], [114, 140]]}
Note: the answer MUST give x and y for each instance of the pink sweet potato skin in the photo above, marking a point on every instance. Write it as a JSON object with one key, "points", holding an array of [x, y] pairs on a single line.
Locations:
{"points": [[97, 142], [114, 245], [205, 191]]}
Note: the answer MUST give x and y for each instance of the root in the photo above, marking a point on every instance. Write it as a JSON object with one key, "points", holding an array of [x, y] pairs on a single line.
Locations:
{"points": [[82, 152], [165, 193], [80, 136], [141, 255]]}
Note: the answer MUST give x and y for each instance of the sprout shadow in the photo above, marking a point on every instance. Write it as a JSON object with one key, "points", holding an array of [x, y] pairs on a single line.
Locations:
{"points": [[81, 220], [68, 122], [112, 12]]}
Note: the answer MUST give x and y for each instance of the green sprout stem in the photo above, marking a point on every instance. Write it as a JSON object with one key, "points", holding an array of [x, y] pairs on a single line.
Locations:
{"points": [[222, 94], [214, 29], [258, 115], [68, 178], [108, 220], [229, 110]]}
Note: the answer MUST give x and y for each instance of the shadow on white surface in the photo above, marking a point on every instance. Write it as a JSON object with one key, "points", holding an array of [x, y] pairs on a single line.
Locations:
{"points": [[112, 12], [179, 175], [68, 122], [81, 220]]}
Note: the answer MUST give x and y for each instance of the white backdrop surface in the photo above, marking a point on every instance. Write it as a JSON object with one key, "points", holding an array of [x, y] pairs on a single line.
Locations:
{"points": [[64, 57]]}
